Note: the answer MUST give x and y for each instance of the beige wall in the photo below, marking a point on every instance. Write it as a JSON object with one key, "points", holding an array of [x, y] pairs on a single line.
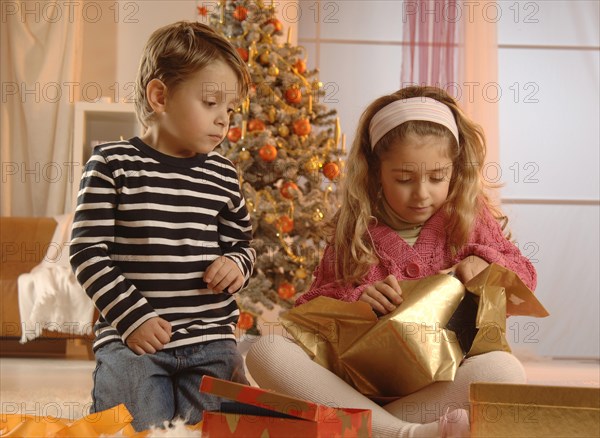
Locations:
{"points": [[99, 50], [139, 19]]}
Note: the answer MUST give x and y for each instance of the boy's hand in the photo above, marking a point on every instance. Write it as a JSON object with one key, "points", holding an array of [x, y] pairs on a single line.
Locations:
{"points": [[383, 296], [467, 268], [223, 274], [150, 337]]}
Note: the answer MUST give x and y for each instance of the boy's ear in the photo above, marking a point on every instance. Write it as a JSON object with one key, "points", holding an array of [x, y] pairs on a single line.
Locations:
{"points": [[156, 92]]}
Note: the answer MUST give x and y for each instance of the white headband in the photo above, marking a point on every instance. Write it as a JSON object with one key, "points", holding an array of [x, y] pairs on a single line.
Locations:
{"points": [[415, 108]]}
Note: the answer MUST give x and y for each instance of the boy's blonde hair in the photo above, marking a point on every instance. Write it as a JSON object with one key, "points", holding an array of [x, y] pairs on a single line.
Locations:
{"points": [[348, 230], [175, 52]]}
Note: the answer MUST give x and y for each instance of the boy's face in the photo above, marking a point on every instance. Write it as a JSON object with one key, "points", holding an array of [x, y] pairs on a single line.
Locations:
{"points": [[196, 116]]}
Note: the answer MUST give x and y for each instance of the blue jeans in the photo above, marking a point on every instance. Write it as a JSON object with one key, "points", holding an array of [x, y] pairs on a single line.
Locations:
{"points": [[163, 386]]}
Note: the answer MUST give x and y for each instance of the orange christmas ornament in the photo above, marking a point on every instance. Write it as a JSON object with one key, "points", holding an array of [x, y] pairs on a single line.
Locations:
{"points": [[285, 224], [234, 134], [277, 25], [256, 125], [300, 66], [302, 127], [246, 321], [293, 95], [288, 188], [243, 52], [331, 171], [267, 153], [286, 290], [240, 13]]}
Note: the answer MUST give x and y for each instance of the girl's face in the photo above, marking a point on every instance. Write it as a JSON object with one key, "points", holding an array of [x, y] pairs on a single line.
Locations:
{"points": [[415, 177]]}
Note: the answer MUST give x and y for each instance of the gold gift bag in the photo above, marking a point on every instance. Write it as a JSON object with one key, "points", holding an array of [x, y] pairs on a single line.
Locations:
{"points": [[512, 410], [409, 348]]}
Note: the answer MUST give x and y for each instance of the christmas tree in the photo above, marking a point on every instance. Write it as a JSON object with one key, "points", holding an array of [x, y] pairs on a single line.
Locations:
{"points": [[287, 147]]}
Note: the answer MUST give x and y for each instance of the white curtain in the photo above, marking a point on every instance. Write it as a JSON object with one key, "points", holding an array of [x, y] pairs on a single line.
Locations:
{"points": [[40, 69]]}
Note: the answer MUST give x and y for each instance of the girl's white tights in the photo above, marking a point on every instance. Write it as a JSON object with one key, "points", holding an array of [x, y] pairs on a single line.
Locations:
{"points": [[279, 364]]}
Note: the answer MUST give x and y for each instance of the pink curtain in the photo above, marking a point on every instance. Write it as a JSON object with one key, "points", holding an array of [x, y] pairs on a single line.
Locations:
{"points": [[452, 44], [430, 33]]}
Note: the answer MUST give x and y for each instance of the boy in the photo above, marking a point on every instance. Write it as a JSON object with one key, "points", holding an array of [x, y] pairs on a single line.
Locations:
{"points": [[161, 235]]}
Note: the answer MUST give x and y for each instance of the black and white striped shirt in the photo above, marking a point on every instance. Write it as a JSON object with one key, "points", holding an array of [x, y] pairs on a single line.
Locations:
{"points": [[147, 226]]}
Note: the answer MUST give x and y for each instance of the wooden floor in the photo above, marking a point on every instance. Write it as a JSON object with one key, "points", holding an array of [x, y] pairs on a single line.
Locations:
{"points": [[62, 388]]}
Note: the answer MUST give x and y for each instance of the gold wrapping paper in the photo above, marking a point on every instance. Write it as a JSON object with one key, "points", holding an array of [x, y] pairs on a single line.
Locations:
{"points": [[409, 348], [500, 292]]}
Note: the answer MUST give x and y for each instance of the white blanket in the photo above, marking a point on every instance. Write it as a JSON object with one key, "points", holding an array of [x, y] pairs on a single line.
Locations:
{"points": [[49, 296]]}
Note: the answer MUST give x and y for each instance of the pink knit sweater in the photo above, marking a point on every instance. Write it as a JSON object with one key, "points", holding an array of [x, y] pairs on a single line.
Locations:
{"points": [[428, 256]]}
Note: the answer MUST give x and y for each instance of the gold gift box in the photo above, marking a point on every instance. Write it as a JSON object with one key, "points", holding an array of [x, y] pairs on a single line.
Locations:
{"points": [[410, 347], [510, 410]]}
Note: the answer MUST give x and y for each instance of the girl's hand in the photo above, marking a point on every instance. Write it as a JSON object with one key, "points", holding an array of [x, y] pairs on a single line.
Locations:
{"points": [[467, 268], [223, 274], [150, 337], [383, 296]]}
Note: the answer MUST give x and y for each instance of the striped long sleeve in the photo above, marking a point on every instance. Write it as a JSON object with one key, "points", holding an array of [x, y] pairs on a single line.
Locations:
{"points": [[146, 227]]}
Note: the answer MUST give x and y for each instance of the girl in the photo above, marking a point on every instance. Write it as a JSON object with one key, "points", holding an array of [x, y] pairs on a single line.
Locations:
{"points": [[413, 205]]}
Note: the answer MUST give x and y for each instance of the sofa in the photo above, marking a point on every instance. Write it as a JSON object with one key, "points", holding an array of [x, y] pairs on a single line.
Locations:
{"points": [[24, 244]]}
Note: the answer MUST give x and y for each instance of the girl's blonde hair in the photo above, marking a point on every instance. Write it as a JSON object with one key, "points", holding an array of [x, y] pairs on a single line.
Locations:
{"points": [[348, 230], [175, 52]]}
